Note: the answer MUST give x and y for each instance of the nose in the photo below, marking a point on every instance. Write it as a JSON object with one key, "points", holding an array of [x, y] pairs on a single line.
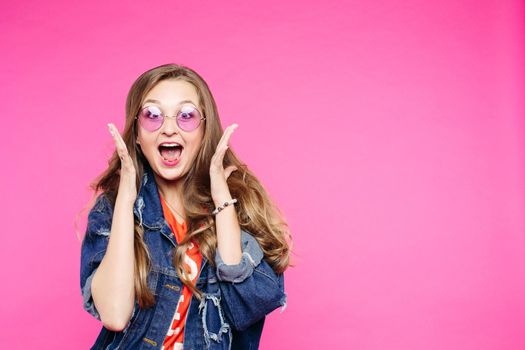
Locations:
{"points": [[169, 126]]}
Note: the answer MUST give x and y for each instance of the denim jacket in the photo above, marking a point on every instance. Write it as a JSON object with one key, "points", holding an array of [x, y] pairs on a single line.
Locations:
{"points": [[236, 298]]}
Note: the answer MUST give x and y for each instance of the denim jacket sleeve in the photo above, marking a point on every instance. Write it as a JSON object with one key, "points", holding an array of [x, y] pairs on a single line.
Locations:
{"points": [[250, 289], [93, 248]]}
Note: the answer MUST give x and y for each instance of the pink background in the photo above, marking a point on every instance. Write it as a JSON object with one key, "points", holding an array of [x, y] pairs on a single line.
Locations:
{"points": [[391, 134]]}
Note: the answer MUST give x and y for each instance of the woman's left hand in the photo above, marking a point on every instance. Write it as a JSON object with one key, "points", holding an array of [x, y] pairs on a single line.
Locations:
{"points": [[218, 174]]}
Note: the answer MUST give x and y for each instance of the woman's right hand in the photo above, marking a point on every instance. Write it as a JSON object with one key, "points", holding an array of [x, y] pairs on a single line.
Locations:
{"points": [[128, 185]]}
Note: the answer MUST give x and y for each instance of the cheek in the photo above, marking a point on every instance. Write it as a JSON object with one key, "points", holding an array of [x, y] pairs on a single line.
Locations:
{"points": [[197, 144], [194, 146], [147, 144]]}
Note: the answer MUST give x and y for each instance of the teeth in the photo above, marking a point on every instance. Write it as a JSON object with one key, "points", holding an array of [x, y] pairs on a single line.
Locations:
{"points": [[173, 144]]}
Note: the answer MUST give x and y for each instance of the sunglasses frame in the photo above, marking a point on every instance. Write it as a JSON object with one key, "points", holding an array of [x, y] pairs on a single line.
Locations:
{"points": [[170, 116]]}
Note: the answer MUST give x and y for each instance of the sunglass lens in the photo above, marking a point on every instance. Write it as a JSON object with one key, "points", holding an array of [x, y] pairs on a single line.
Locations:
{"points": [[189, 118], [151, 118]]}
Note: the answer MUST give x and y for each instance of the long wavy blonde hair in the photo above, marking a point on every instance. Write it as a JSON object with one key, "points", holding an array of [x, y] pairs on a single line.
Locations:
{"points": [[256, 211]]}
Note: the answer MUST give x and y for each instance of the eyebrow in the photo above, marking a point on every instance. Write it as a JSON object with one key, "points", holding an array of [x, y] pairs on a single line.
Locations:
{"points": [[157, 101]]}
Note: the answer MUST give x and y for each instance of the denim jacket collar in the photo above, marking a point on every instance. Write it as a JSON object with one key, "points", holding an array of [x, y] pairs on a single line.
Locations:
{"points": [[151, 215]]}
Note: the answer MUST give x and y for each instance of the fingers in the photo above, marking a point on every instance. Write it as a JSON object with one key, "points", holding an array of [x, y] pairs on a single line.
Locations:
{"points": [[222, 146], [229, 170], [217, 159], [226, 136], [122, 150]]}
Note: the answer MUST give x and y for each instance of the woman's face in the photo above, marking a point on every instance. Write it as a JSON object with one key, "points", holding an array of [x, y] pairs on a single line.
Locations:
{"points": [[169, 96]]}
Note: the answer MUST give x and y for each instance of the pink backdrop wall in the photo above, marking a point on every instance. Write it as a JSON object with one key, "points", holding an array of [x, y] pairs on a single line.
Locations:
{"points": [[391, 134]]}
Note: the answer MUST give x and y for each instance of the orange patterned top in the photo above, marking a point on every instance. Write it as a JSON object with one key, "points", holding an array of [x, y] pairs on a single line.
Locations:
{"points": [[192, 261]]}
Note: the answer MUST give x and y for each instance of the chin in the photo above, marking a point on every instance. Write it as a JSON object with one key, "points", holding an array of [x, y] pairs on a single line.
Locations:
{"points": [[170, 174]]}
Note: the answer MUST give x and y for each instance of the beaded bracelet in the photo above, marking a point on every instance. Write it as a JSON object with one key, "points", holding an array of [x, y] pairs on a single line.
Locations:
{"points": [[221, 207]]}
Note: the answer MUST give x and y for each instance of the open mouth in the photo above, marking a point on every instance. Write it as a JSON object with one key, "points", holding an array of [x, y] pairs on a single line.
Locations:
{"points": [[170, 152]]}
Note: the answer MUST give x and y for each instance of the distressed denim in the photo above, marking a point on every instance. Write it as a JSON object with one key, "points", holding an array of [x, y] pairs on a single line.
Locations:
{"points": [[236, 298]]}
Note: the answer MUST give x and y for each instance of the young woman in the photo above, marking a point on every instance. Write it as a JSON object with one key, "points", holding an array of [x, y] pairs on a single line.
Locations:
{"points": [[183, 246]]}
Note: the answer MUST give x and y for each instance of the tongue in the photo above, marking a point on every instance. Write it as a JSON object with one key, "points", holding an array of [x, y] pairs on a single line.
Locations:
{"points": [[170, 154]]}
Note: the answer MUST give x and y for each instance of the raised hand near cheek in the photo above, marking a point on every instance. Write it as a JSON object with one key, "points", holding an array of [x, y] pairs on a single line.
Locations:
{"points": [[127, 186], [218, 174]]}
